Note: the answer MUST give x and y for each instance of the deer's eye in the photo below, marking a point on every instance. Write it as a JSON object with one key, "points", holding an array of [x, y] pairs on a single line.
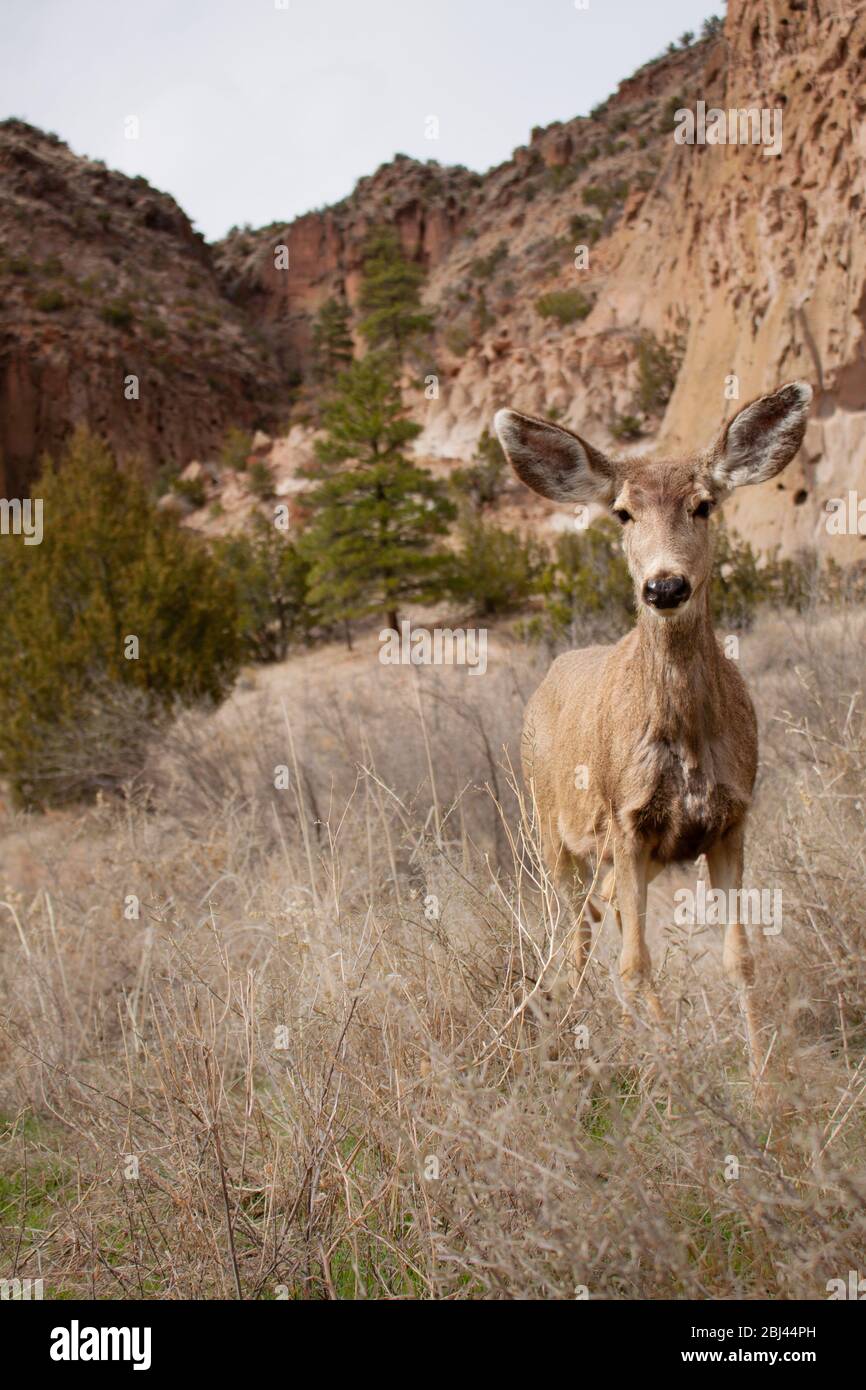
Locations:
{"points": [[703, 508], [622, 515]]}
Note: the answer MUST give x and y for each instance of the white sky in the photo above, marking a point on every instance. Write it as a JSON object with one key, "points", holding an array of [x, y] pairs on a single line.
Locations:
{"points": [[250, 113]]}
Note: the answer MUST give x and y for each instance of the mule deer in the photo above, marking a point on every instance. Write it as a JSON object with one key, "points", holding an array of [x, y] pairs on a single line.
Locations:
{"points": [[644, 754]]}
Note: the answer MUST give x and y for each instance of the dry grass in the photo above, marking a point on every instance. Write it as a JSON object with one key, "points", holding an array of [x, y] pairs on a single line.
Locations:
{"points": [[338, 1042]]}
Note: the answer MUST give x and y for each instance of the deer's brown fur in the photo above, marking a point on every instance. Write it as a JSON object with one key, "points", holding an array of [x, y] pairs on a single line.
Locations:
{"points": [[644, 754]]}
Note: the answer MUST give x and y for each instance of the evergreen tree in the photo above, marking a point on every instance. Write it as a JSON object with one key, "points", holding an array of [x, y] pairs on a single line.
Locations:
{"points": [[484, 480], [116, 597], [270, 577], [333, 349], [390, 297], [495, 571], [375, 515]]}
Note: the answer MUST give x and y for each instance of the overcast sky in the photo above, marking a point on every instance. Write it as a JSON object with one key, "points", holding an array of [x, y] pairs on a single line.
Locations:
{"points": [[250, 112]]}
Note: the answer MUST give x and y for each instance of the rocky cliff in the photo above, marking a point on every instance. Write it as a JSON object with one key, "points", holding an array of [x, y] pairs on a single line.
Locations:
{"points": [[102, 279]]}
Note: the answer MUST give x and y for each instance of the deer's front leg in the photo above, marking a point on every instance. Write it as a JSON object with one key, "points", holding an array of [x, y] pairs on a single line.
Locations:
{"points": [[631, 871], [725, 863]]}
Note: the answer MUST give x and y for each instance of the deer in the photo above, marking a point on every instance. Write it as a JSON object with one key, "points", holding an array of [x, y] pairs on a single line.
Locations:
{"points": [[643, 754]]}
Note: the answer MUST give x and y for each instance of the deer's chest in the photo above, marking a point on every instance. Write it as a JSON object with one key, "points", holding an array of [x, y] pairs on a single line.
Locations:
{"points": [[684, 807]]}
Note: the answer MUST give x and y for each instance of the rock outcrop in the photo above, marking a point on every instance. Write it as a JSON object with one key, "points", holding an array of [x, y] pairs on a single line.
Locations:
{"points": [[111, 314]]}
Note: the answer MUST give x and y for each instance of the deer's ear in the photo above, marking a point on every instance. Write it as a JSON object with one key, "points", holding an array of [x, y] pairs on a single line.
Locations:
{"points": [[553, 461], [762, 437]]}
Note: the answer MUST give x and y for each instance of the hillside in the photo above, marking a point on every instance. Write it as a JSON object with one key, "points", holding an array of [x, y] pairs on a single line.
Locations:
{"points": [[102, 277]]}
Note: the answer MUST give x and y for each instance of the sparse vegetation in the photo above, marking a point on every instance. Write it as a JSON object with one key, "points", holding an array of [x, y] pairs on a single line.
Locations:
{"points": [[566, 306], [192, 489], [50, 301], [484, 267], [260, 479], [236, 447], [658, 367], [119, 313], [584, 229], [606, 197], [459, 337], [626, 426]]}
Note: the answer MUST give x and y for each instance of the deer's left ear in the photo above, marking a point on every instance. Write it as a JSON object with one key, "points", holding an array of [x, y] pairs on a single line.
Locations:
{"points": [[762, 437]]}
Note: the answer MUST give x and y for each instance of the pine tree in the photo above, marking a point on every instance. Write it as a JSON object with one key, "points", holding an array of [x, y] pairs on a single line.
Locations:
{"points": [[333, 349], [390, 297], [269, 576], [375, 515], [484, 480]]}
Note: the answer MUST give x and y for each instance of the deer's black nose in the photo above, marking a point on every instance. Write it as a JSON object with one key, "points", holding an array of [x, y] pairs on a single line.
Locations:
{"points": [[669, 592]]}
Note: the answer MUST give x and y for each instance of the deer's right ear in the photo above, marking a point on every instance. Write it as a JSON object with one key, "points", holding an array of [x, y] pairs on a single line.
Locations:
{"points": [[553, 461]]}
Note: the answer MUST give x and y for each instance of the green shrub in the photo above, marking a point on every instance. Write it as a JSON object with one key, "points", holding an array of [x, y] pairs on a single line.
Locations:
{"points": [[563, 175], [658, 366], [583, 228], [118, 313], [236, 448], [192, 489], [668, 112], [270, 580], [260, 480], [626, 427], [110, 567], [586, 587], [743, 582], [495, 571], [50, 301], [484, 266], [606, 196], [567, 306], [459, 338], [482, 482]]}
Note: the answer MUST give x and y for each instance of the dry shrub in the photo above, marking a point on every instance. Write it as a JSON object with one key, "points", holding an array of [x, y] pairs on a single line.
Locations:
{"points": [[339, 1044]]}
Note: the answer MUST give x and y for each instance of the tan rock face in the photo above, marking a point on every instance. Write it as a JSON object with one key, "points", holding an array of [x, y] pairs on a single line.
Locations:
{"points": [[755, 263]]}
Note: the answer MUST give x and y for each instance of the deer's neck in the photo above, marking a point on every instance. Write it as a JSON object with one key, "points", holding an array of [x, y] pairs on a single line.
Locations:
{"points": [[679, 663]]}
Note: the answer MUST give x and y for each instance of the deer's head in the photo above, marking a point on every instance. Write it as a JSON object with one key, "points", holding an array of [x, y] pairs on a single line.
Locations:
{"points": [[663, 507]]}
